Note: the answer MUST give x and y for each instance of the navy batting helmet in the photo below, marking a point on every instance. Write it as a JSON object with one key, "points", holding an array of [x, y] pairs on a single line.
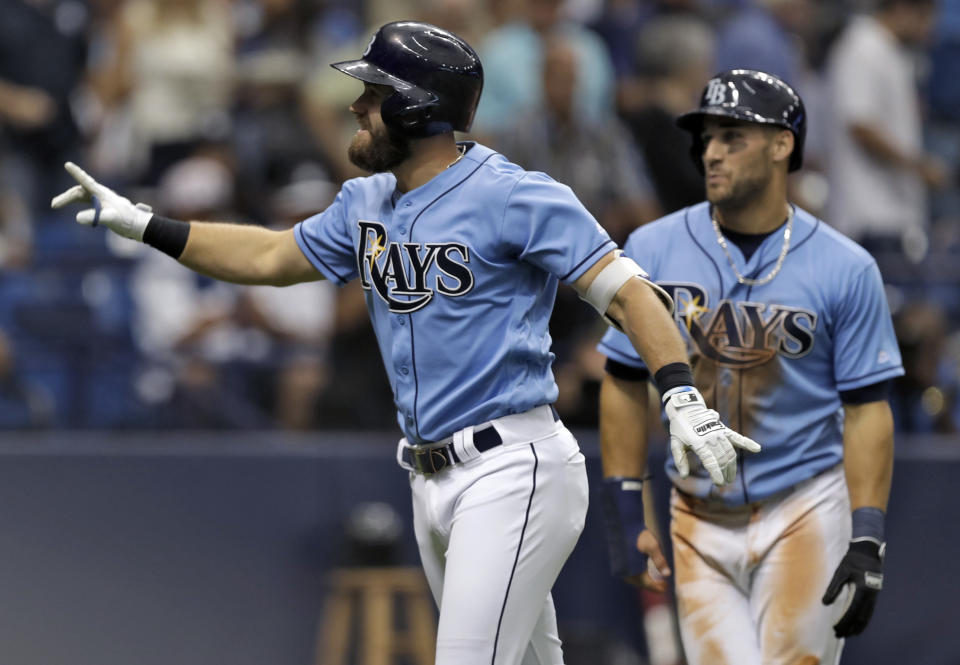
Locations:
{"points": [[436, 78], [752, 96]]}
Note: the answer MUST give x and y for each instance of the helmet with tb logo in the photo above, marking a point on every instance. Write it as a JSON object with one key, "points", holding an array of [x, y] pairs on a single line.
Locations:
{"points": [[751, 96], [436, 78]]}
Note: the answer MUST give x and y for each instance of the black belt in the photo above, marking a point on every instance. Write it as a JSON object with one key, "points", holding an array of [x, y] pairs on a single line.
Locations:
{"points": [[429, 461]]}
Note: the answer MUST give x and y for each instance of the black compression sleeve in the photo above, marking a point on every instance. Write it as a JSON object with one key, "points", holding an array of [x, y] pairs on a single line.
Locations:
{"points": [[626, 372], [872, 393], [167, 235]]}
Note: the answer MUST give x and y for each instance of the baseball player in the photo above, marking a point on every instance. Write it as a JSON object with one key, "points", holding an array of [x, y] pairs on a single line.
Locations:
{"points": [[459, 253], [792, 342]]}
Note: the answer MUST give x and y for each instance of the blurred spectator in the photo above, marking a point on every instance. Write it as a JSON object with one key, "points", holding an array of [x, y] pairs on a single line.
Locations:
{"points": [[675, 59], [926, 399], [943, 130], [596, 160], [943, 89], [171, 71], [16, 231], [357, 394], [501, 12], [619, 24], [22, 405], [878, 169], [225, 355], [271, 136], [465, 18], [42, 58], [300, 336], [512, 57], [766, 35]]}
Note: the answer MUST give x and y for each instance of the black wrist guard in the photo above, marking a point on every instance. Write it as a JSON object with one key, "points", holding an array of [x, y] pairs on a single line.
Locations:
{"points": [[167, 235], [673, 375]]}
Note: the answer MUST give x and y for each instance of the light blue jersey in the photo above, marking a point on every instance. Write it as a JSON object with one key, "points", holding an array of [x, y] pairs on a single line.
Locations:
{"points": [[460, 277], [770, 359]]}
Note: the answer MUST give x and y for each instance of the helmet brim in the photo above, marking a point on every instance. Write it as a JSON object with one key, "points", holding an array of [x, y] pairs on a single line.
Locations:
{"points": [[693, 121], [365, 71]]}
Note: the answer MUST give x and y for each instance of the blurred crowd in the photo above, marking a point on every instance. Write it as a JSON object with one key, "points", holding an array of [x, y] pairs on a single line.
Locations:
{"points": [[227, 110]]}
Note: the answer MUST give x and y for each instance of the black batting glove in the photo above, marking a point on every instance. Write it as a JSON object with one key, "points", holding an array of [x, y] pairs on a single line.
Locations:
{"points": [[862, 566]]}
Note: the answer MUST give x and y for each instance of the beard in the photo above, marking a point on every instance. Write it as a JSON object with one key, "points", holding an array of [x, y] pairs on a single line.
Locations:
{"points": [[743, 192], [384, 150]]}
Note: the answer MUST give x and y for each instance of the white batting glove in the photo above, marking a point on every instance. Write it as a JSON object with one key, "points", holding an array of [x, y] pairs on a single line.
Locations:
{"points": [[115, 212], [693, 425]]}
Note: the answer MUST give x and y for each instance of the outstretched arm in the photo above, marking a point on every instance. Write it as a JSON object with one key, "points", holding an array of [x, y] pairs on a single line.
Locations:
{"points": [[246, 254], [238, 253], [619, 289]]}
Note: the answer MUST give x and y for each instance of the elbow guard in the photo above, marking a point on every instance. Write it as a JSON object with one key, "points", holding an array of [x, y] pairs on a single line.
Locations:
{"points": [[611, 279]]}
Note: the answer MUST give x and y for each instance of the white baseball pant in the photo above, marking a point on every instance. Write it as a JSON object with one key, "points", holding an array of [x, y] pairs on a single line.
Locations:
{"points": [[749, 579], [493, 533]]}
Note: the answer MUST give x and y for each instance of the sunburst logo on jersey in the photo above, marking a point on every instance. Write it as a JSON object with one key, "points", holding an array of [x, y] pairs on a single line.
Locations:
{"points": [[376, 249], [690, 308]]}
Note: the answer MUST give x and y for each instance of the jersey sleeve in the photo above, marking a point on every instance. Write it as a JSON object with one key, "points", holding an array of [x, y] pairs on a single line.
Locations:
{"points": [[326, 241], [865, 347], [547, 226]]}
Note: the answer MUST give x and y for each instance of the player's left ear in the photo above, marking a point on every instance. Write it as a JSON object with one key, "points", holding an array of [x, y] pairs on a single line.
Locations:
{"points": [[781, 146]]}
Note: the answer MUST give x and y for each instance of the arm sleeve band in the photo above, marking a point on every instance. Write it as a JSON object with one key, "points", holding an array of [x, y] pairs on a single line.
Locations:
{"points": [[872, 393], [622, 506], [614, 275], [673, 375], [167, 235], [868, 523]]}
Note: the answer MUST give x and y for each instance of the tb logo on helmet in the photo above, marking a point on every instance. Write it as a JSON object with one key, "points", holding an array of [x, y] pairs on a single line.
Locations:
{"points": [[400, 269], [716, 92]]}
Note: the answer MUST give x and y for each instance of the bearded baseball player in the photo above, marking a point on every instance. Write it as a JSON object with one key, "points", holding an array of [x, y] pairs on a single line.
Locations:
{"points": [[459, 253], [792, 342]]}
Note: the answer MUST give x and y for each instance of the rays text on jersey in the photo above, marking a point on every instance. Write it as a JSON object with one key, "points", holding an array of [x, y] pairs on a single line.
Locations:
{"points": [[398, 272], [742, 334]]}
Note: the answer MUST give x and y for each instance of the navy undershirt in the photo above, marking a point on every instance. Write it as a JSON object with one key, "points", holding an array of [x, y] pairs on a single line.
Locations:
{"points": [[747, 242]]}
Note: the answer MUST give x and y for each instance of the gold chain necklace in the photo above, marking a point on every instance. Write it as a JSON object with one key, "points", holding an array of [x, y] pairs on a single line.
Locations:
{"points": [[462, 149], [787, 232]]}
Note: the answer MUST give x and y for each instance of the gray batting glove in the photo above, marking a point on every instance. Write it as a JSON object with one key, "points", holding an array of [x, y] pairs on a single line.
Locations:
{"points": [[116, 212], [693, 425]]}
